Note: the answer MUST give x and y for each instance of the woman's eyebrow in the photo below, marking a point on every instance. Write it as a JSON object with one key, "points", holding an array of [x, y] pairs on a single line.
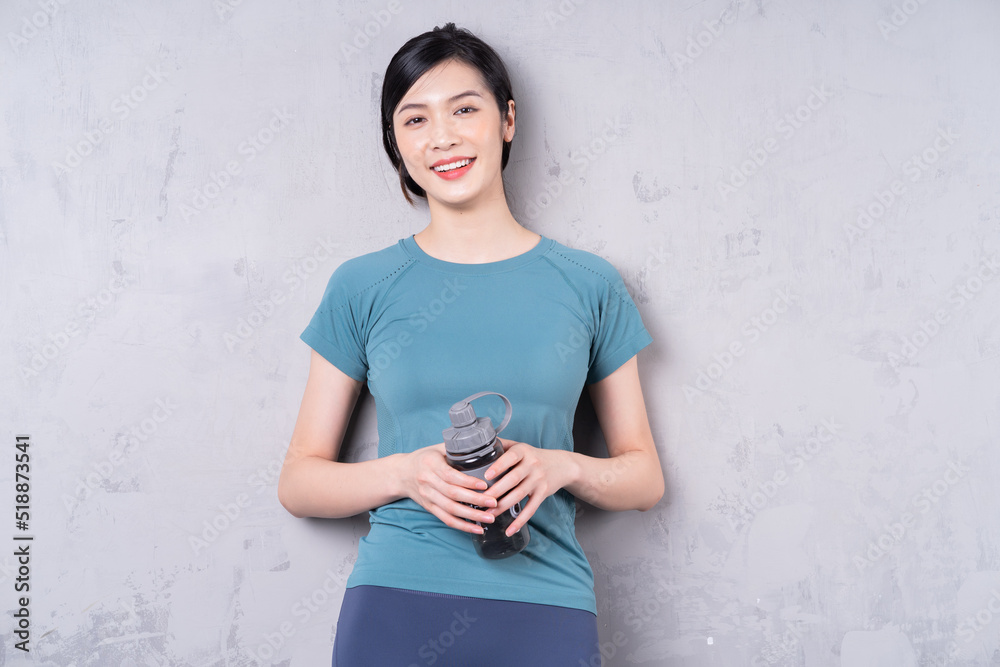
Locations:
{"points": [[454, 98]]}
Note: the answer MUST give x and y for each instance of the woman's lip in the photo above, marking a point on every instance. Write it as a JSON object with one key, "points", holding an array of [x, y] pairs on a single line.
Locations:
{"points": [[455, 173]]}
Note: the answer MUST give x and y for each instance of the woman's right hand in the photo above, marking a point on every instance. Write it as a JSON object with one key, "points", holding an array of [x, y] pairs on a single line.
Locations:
{"points": [[440, 489]]}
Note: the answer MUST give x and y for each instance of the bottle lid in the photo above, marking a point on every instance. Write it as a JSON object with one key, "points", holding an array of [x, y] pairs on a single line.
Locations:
{"points": [[469, 433]]}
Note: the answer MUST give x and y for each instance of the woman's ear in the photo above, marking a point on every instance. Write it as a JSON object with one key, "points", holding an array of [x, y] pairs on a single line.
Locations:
{"points": [[508, 133]]}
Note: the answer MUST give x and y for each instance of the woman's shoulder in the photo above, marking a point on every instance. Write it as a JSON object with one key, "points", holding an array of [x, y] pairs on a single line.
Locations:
{"points": [[362, 271], [585, 265]]}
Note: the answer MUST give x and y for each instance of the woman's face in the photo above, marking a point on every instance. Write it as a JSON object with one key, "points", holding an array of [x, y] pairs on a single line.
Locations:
{"points": [[448, 116]]}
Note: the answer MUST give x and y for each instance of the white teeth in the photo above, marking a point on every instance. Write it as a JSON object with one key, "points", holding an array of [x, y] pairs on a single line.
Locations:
{"points": [[453, 165]]}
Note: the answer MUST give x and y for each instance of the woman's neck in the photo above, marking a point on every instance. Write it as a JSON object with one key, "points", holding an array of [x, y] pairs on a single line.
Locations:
{"points": [[475, 237]]}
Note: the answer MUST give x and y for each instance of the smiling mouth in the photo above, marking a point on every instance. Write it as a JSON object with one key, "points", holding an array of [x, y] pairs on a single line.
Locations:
{"points": [[458, 164], [455, 169]]}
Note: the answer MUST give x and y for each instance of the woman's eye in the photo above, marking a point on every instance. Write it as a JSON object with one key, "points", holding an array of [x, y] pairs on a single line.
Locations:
{"points": [[413, 120]]}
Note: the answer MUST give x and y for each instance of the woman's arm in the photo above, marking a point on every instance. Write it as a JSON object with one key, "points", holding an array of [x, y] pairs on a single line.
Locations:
{"points": [[630, 478], [314, 483]]}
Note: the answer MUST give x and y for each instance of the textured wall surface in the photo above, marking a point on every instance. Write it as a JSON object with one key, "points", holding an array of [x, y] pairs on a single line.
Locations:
{"points": [[802, 197]]}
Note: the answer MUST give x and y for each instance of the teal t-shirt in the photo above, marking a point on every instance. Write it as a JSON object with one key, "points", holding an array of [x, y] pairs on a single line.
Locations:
{"points": [[425, 334]]}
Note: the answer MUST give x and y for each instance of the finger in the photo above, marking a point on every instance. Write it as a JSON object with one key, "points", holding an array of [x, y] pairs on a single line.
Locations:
{"points": [[506, 483], [460, 508], [527, 511], [453, 513], [450, 519], [443, 470], [507, 460], [453, 522], [460, 486], [516, 495], [459, 478], [463, 495]]}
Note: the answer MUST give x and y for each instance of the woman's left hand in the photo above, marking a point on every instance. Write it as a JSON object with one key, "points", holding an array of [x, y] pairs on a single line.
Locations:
{"points": [[531, 471]]}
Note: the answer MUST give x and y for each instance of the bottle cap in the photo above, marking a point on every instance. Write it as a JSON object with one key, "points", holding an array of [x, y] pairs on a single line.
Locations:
{"points": [[469, 433]]}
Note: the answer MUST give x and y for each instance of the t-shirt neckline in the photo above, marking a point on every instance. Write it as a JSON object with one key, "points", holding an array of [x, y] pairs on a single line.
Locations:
{"points": [[409, 244]]}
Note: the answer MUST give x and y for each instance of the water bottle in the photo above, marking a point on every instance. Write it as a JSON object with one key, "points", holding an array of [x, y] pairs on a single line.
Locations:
{"points": [[472, 446]]}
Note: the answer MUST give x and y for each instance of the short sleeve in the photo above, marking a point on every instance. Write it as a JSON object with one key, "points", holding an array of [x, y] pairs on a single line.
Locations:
{"points": [[335, 331], [620, 333]]}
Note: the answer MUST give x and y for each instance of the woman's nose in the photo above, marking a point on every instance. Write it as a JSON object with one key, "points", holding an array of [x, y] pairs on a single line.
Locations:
{"points": [[443, 135]]}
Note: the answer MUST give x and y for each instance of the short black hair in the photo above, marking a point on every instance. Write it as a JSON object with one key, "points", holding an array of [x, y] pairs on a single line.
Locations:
{"points": [[420, 54]]}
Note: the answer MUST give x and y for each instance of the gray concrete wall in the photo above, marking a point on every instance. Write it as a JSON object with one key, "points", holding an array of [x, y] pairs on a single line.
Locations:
{"points": [[803, 199]]}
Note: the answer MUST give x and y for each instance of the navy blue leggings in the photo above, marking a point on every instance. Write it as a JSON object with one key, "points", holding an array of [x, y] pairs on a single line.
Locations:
{"points": [[394, 627]]}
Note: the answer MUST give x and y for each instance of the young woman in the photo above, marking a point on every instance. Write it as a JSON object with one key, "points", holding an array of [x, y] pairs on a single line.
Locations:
{"points": [[473, 302]]}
